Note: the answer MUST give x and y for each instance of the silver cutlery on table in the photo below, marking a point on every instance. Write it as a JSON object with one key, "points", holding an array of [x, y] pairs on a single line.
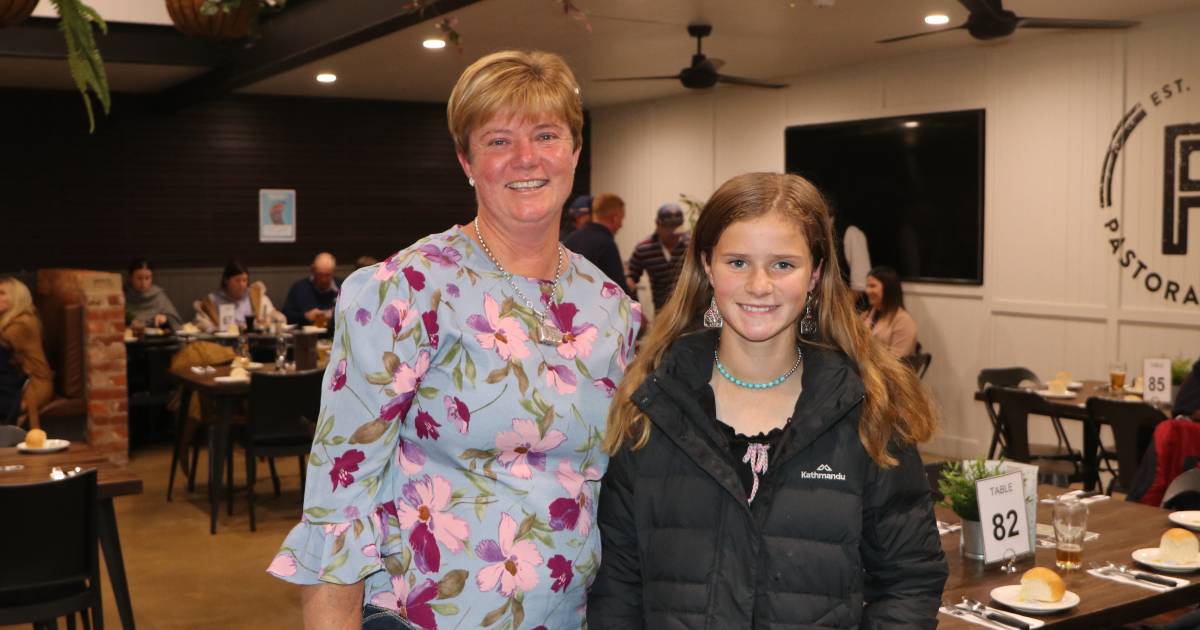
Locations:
{"points": [[1110, 568], [979, 609]]}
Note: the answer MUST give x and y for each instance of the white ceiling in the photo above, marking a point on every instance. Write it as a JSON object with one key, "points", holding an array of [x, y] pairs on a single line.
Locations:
{"points": [[767, 39]]}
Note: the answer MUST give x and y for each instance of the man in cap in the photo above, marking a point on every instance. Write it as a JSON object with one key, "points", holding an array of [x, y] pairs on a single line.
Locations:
{"points": [[578, 214], [660, 255]]}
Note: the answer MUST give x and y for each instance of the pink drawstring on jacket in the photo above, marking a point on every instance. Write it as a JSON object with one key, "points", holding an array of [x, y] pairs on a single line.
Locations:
{"points": [[756, 456]]}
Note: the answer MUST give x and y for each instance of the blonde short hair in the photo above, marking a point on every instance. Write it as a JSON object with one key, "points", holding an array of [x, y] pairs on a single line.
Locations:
{"points": [[605, 205], [533, 82], [20, 300]]}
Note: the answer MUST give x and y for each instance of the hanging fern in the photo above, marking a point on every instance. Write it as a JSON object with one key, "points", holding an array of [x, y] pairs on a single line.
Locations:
{"points": [[83, 58]]}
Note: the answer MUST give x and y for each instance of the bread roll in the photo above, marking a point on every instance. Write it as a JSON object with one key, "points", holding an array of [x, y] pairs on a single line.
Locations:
{"points": [[238, 372], [36, 438], [1063, 376], [1040, 584], [1179, 546], [1058, 386]]}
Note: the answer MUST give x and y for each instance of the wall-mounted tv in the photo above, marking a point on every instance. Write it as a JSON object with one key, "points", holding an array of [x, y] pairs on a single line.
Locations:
{"points": [[913, 184]]}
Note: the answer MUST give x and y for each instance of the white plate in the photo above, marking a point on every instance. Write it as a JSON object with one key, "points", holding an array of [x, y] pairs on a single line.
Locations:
{"points": [[230, 379], [253, 365], [53, 445], [1130, 390], [1149, 557], [186, 333], [225, 334], [1075, 385], [312, 329], [1190, 519], [1011, 596], [1045, 393]]}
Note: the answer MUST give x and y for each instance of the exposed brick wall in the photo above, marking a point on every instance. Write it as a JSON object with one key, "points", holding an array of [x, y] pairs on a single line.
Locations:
{"points": [[104, 329]]}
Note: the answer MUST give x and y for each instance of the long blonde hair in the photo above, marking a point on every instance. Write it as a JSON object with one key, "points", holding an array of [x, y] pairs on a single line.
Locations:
{"points": [[20, 300], [897, 406]]}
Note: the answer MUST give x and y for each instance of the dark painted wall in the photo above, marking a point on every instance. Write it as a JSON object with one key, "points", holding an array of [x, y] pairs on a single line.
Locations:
{"points": [[182, 187]]}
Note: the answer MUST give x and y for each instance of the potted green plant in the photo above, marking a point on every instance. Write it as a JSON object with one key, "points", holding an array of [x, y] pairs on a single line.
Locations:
{"points": [[221, 19], [957, 485], [1181, 366]]}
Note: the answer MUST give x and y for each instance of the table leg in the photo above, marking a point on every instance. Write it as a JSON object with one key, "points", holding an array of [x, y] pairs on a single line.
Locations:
{"points": [[218, 437], [110, 544], [183, 439]]}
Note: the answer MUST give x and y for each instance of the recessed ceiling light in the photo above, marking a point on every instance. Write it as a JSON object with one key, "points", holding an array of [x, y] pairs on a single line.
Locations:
{"points": [[937, 19], [326, 77], [434, 43], [911, 124]]}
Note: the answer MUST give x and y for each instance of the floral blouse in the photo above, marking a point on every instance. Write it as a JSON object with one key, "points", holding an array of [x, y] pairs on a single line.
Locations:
{"points": [[456, 459]]}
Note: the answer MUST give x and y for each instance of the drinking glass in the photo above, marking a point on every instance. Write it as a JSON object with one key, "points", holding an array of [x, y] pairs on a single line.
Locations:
{"points": [[1116, 376], [281, 348], [1070, 526]]}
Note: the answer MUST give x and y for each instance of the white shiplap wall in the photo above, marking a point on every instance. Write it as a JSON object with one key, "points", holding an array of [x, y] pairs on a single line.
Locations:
{"points": [[1054, 297]]}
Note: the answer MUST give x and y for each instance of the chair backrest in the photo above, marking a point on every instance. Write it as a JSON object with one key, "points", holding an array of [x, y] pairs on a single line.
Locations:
{"points": [[919, 362], [933, 473], [1014, 407], [1004, 377], [1132, 425], [48, 533], [10, 415], [283, 405], [62, 339]]}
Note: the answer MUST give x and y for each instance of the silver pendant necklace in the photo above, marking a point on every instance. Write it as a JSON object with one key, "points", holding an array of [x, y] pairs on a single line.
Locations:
{"points": [[548, 333]]}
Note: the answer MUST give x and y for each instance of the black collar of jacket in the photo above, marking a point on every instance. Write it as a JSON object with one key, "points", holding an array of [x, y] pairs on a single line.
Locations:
{"points": [[672, 397]]}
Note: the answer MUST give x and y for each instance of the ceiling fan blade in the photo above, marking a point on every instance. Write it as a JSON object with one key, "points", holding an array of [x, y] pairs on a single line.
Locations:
{"points": [[921, 34], [725, 78], [667, 76], [1028, 22], [717, 64], [989, 8]]}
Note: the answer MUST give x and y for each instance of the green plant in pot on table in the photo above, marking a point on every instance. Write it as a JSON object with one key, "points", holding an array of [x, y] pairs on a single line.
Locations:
{"points": [[957, 485]]}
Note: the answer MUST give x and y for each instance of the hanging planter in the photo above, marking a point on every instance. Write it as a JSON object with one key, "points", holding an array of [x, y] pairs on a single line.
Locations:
{"points": [[14, 12], [227, 19]]}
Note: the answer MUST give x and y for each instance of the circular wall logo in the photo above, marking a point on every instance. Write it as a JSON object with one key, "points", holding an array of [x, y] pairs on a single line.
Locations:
{"points": [[1181, 193]]}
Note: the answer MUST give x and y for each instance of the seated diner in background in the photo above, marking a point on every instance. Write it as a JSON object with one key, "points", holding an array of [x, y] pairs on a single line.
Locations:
{"points": [[21, 356], [250, 301], [145, 302], [311, 300], [1187, 400], [887, 319]]}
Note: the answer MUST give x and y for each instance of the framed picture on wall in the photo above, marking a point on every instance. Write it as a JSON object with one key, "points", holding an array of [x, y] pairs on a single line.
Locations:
{"points": [[276, 216]]}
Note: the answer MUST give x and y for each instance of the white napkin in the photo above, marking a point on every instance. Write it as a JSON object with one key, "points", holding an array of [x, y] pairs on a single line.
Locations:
{"points": [[977, 620], [1125, 579], [1075, 493], [946, 528]]}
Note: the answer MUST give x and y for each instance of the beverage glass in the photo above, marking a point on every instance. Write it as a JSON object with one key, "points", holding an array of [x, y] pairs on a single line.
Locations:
{"points": [[1070, 526], [1116, 376], [281, 348]]}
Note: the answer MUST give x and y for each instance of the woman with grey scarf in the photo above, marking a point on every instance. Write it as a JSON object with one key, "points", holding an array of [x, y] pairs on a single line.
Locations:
{"points": [[145, 302]]}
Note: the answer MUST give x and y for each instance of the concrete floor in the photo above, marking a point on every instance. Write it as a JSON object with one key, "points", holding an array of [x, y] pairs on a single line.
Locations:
{"points": [[182, 577]]}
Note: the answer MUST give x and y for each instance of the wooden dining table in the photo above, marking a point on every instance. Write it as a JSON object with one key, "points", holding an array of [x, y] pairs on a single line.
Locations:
{"points": [[225, 397], [1123, 528], [112, 481], [1074, 407]]}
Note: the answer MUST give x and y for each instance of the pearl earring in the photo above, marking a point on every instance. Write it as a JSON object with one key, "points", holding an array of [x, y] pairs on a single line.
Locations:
{"points": [[471, 182]]}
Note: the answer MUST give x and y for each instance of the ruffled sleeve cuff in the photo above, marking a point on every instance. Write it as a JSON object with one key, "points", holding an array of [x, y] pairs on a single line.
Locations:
{"points": [[339, 553]]}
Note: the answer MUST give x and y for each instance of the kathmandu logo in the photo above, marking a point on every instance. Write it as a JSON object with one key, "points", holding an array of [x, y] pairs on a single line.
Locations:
{"points": [[1180, 193], [822, 472]]}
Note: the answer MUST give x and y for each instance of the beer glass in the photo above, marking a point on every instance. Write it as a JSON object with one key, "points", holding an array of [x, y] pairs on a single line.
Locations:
{"points": [[1116, 376], [1070, 526]]}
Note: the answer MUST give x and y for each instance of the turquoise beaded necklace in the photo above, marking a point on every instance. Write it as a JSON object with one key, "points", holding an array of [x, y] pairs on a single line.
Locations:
{"points": [[748, 385]]}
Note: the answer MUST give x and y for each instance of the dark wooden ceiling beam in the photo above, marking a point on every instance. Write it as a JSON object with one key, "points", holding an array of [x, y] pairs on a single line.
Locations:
{"points": [[39, 38], [302, 33]]}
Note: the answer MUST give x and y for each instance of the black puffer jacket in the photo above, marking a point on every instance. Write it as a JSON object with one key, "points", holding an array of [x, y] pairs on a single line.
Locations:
{"points": [[831, 540]]}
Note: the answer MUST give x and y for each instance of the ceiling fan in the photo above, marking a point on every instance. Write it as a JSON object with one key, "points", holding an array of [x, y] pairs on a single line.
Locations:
{"points": [[987, 19], [702, 73]]}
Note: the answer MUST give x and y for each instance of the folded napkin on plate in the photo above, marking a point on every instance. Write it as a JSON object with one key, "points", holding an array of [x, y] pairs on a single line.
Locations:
{"points": [[976, 619], [1125, 579]]}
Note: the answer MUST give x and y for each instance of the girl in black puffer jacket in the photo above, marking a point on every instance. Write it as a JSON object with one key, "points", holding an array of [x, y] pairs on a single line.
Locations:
{"points": [[764, 472]]}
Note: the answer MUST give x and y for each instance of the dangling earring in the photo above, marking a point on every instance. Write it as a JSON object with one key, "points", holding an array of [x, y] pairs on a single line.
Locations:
{"points": [[712, 317], [471, 182], [808, 324]]}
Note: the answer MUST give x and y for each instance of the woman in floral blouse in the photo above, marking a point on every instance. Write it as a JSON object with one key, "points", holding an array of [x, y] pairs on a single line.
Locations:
{"points": [[456, 460]]}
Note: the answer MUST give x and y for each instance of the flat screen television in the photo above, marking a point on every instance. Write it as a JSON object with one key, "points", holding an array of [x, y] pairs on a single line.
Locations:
{"points": [[912, 184]]}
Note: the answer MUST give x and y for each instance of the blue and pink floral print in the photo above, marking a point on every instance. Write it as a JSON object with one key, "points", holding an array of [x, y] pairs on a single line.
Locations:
{"points": [[456, 460]]}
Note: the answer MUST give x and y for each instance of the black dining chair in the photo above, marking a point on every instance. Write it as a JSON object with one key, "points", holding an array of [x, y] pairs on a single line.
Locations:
{"points": [[281, 419], [1014, 377], [150, 389], [1132, 424], [918, 362], [13, 413], [48, 542], [1056, 465]]}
